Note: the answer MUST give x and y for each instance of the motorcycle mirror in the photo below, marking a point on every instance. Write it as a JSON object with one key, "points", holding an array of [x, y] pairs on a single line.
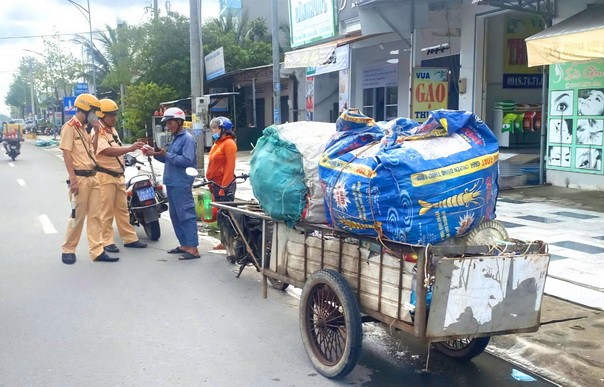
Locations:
{"points": [[129, 160], [191, 172]]}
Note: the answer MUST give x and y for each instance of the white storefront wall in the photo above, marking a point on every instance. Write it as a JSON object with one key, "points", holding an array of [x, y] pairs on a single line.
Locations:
{"points": [[432, 28], [375, 52]]}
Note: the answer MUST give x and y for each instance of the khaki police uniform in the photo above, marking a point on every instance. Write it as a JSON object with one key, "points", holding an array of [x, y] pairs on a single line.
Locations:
{"points": [[75, 139], [114, 201]]}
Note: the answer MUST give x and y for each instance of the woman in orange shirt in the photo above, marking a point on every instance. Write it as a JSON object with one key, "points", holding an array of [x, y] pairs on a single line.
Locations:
{"points": [[221, 166]]}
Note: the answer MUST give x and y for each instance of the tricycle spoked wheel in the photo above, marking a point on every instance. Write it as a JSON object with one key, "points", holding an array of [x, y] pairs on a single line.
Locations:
{"points": [[462, 349], [152, 230], [330, 324]]}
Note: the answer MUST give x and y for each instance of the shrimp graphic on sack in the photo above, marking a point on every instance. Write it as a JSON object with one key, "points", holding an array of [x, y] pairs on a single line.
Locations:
{"points": [[465, 199]]}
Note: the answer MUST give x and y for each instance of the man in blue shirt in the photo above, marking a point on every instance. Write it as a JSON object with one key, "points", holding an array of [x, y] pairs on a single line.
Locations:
{"points": [[181, 154]]}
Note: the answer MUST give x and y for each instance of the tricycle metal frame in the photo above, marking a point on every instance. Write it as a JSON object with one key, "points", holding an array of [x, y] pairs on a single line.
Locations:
{"points": [[428, 258]]}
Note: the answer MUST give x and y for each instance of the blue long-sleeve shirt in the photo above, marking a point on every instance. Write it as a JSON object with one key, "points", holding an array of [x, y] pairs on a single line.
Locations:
{"points": [[181, 154]]}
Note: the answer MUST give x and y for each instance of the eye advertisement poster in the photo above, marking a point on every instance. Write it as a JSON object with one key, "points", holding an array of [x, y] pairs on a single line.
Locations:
{"points": [[576, 116]]}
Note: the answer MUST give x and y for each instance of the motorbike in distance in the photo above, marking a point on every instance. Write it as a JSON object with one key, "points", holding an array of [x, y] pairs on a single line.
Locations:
{"points": [[13, 148], [146, 196], [11, 139]]}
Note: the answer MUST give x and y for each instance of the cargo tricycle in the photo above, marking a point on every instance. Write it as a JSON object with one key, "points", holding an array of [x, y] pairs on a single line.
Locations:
{"points": [[454, 295]]}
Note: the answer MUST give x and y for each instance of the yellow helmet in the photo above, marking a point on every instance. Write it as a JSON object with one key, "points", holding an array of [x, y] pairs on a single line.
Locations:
{"points": [[87, 102], [108, 106]]}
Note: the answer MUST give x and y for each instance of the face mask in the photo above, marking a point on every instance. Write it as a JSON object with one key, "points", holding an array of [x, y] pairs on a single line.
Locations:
{"points": [[91, 117], [215, 136]]}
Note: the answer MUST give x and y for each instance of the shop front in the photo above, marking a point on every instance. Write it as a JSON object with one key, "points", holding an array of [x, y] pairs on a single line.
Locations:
{"points": [[252, 108], [480, 46], [574, 51]]}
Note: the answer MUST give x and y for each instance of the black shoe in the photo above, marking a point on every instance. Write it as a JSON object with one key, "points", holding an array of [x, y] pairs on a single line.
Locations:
{"points": [[68, 258], [232, 258], [106, 258], [136, 244], [111, 248], [246, 260]]}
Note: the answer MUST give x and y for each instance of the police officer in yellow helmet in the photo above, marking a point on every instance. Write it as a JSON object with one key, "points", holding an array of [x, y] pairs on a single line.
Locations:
{"points": [[84, 186], [110, 158]]}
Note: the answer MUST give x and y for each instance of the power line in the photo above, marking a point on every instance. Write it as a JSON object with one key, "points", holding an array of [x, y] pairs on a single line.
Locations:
{"points": [[47, 35]]}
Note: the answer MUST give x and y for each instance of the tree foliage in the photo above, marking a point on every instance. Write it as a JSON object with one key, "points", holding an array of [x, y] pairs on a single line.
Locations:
{"points": [[246, 44], [164, 53], [53, 72], [18, 92], [115, 50], [141, 101]]}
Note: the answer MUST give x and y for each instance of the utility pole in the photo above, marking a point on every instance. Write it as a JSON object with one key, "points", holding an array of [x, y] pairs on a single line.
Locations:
{"points": [[196, 49], [84, 12], [91, 49], [31, 85], [276, 67]]}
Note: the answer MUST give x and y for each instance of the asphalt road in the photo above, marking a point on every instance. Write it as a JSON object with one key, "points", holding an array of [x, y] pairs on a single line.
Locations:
{"points": [[151, 319]]}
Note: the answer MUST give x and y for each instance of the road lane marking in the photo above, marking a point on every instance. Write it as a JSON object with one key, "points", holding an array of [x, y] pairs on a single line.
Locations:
{"points": [[21, 182], [47, 224], [11, 164]]}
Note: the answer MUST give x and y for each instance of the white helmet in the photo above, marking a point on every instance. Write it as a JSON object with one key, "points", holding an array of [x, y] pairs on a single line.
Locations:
{"points": [[173, 113]]}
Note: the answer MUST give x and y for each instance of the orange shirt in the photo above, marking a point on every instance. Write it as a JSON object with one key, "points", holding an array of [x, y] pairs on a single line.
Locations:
{"points": [[221, 167]]}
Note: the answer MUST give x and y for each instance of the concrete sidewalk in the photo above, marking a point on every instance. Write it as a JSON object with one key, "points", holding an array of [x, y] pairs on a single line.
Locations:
{"points": [[568, 349]]}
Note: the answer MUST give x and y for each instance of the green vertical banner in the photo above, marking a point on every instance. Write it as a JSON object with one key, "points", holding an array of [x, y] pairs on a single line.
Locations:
{"points": [[576, 116]]}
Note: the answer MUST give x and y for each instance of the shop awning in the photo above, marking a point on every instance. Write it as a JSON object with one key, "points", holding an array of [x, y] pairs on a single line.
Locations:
{"points": [[319, 55], [578, 38]]}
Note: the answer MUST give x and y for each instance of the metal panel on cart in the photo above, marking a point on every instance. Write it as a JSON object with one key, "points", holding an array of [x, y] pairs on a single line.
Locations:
{"points": [[487, 294]]}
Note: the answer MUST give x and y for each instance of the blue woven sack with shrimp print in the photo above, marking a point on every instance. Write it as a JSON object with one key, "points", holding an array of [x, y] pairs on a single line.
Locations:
{"points": [[413, 183]]}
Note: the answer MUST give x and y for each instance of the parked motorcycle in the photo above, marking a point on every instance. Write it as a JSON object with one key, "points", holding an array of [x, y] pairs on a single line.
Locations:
{"points": [[243, 235], [146, 197]]}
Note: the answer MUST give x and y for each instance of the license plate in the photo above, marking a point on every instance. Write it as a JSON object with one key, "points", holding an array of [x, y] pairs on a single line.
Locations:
{"points": [[145, 194]]}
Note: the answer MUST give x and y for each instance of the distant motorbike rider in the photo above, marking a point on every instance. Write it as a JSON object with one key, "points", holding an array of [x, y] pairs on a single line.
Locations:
{"points": [[12, 134], [110, 159]]}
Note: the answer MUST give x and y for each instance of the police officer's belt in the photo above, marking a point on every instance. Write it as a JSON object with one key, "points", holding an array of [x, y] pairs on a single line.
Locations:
{"points": [[108, 171], [84, 172]]}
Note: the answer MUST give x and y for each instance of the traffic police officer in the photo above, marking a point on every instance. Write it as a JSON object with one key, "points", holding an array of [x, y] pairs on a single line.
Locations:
{"points": [[110, 159], [84, 187]]}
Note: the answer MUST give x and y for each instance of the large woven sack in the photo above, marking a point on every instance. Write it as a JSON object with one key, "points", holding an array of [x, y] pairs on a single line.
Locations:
{"points": [[411, 182], [284, 171]]}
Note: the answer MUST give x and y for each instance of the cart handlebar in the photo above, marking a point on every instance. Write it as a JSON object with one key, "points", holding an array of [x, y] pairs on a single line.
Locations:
{"points": [[243, 177]]}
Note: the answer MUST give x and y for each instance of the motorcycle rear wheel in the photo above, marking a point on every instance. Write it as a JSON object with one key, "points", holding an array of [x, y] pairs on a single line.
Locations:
{"points": [[257, 245], [152, 230], [462, 349]]}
